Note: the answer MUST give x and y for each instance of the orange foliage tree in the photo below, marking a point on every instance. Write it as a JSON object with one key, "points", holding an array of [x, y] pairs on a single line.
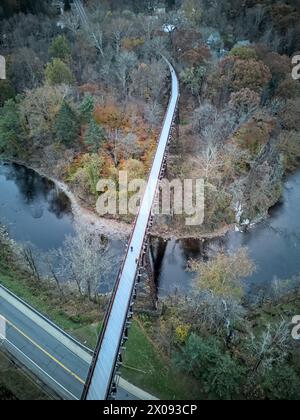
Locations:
{"points": [[255, 134]]}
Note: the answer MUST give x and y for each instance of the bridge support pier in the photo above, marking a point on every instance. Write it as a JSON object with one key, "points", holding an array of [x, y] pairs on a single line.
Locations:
{"points": [[148, 277]]}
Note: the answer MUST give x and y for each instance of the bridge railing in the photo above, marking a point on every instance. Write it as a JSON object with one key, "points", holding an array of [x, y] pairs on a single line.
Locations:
{"points": [[128, 309]]}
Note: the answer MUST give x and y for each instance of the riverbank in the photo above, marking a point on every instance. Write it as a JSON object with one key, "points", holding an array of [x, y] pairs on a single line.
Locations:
{"points": [[167, 233], [83, 216], [109, 227], [30, 201]]}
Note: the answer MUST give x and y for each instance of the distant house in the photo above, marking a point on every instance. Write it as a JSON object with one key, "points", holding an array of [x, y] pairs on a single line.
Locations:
{"points": [[168, 28]]}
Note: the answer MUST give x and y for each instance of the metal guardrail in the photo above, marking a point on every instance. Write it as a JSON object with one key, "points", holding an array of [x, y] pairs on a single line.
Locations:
{"points": [[42, 377]]}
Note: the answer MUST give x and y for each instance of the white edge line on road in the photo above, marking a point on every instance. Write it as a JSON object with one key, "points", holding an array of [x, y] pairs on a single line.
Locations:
{"points": [[125, 385], [68, 343], [45, 373]]}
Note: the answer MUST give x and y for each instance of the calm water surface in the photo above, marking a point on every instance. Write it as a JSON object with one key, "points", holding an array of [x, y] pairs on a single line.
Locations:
{"points": [[274, 246], [35, 211], [32, 208]]}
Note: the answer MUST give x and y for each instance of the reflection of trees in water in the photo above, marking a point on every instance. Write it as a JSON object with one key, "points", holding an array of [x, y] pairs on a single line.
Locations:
{"points": [[189, 248], [292, 238], [59, 203], [193, 248], [274, 292], [34, 188], [158, 250]]}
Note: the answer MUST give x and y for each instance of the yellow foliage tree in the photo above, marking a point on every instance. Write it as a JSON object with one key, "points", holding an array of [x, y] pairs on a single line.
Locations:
{"points": [[223, 274]]}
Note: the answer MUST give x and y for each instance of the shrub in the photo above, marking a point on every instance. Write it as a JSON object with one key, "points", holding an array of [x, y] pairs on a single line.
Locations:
{"points": [[290, 115], [6, 91], [221, 375], [182, 333], [244, 101], [281, 383], [254, 135], [289, 145], [244, 53], [11, 130]]}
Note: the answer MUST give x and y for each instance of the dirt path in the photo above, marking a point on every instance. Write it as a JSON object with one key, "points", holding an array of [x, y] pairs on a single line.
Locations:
{"points": [[112, 228]]}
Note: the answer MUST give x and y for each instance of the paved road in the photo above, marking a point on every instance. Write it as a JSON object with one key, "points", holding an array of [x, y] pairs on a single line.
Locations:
{"points": [[54, 361], [55, 358]]}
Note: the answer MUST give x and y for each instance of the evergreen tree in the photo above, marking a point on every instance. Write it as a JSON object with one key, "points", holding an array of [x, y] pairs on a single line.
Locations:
{"points": [[221, 375], [66, 125], [94, 136], [282, 383], [87, 108], [67, 5], [6, 91], [11, 130], [10, 7], [60, 48], [58, 73]]}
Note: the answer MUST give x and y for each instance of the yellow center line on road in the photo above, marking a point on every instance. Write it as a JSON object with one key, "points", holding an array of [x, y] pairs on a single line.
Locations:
{"points": [[45, 352]]}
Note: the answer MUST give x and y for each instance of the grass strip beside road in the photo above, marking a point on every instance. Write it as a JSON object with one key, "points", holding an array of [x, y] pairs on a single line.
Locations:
{"points": [[146, 368], [73, 315]]}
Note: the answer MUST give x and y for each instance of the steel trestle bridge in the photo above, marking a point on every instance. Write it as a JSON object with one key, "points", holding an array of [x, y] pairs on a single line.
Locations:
{"points": [[56, 358], [108, 356]]}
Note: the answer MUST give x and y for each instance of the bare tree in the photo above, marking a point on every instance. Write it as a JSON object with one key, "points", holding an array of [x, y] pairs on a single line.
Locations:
{"points": [[30, 261], [153, 113], [70, 21], [125, 63], [119, 28], [85, 260], [270, 347], [96, 29]]}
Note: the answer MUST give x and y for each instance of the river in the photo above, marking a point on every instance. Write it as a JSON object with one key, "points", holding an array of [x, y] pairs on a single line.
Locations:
{"points": [[38, 214], [273, 244], [34, 210]]}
